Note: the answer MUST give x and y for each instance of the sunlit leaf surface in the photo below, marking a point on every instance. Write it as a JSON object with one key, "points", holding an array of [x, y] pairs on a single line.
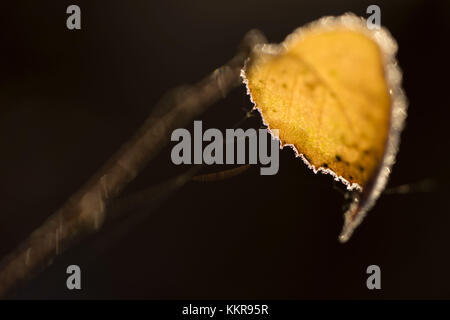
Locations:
{"points": [[326, 90]]}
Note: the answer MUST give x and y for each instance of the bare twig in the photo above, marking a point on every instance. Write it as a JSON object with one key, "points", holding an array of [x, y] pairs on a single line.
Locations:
{"points": [[422, 186], [149, 198], [84, 212], [221, 175], [125, 213]]}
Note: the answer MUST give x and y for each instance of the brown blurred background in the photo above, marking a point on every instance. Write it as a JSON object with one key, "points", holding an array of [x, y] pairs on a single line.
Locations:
{"points": [[69, 99]]}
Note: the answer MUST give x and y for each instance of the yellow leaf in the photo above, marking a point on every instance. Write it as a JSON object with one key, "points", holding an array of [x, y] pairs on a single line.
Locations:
{"points": [[329, 91]]}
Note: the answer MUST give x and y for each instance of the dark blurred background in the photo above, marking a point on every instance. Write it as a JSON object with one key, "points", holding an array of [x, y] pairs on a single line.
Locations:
{"points": [[69, 99]]}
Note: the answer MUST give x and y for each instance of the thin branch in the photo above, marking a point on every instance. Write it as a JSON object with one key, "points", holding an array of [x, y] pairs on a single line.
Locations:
{"points": [[221, 175], [125, 213], [84, 212], [149, 198]]}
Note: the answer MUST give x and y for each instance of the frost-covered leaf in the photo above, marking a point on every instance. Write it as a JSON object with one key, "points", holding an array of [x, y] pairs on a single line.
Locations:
{"points": [[331, 89]]}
